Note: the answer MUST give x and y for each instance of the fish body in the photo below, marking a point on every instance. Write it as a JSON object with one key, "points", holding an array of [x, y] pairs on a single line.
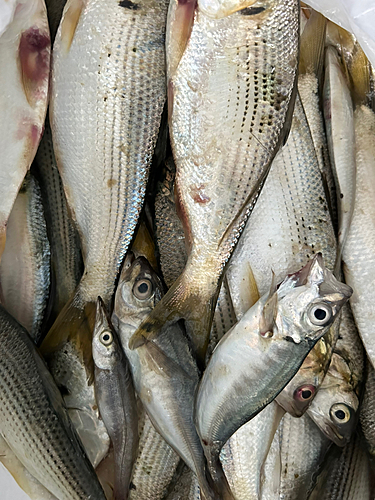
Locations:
{"points": [[347, 475], [367, 410], [155, 464], [282, 325], [25, 264], [103, 138], [338, 115], [165, 374], [34, 421], [236, 74], [358, 254], [24, 479], [116, 399], [303, 449], [24, 75], [66, 261]]}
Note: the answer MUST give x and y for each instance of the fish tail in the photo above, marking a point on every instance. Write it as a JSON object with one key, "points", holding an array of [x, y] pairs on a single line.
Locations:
{"points": [[312, 45], [181, 301], [74, 324]]}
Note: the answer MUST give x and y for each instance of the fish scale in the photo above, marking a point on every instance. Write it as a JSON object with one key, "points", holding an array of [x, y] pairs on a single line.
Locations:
{"points": [[114, 107], [34, 421]]}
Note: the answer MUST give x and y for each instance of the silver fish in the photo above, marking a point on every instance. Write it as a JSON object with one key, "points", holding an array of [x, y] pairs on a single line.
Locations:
{"points": [[25, 264], [66, 261], [347, 475], [367, 410], [165, 374], [338, 115], [303, 448], [115, 396], [235, 74], [22, 476], [24, 75], [283, 325], [104, 126], [34, 421], [155, 464]]}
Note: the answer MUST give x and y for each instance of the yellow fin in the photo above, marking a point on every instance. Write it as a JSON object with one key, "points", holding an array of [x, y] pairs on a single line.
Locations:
{"points": [[144, 245], [359, 71], [312, 45], [71, 15], [75, 324]]}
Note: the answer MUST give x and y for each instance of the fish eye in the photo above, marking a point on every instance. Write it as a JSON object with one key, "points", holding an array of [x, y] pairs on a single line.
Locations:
{"points": [[320, 314], [304, 393], [106, 338], [340, 413], [143, 289]]}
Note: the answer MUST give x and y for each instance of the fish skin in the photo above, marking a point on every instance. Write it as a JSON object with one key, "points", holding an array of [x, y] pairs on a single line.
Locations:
{"points": [[116, 400], [203, 106], [358, 254], [272, 470], [66, 260], [367, 410], [25, 264], [105, 198], [169, 232], [287, 337], [334, 407], [303, 448], [24, 75], [155, 464], [289, 224], [243, 456], [164, 373], [347, 475], [339, 122], [186, 487], [24, 479], [58, 462]]}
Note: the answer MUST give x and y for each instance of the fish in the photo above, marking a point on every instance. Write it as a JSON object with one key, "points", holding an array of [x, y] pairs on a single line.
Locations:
{"points": [[237, 74], [270, 483], [34, 420], [347, 475], [366, 414], [165, 374], [24, 479], [290, 224], [155, 464], [244, 455], [335, 405], [310, 81], [116, 400], [284, 325], [169, 232], [25, 48], [303, 449], [339, 122], [66, 259], [186, 487], [358, 253], [104, 155], [25, 263]]}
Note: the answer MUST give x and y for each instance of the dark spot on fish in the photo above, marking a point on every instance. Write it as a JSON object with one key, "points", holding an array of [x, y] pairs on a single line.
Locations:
{"points": [[128, 5], [296, 476], [205, 442], [134, 49], [111, 182], [23, 187], [252, 11], [105, 99], [341, 196], [132, 486]]}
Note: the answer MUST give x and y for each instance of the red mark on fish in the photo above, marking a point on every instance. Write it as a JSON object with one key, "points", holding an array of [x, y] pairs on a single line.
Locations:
{"points": [[198, 194]]}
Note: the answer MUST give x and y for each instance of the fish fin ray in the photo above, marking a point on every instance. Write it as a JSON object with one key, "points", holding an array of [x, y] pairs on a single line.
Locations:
{"points": [[313, 45], [71, 15]]}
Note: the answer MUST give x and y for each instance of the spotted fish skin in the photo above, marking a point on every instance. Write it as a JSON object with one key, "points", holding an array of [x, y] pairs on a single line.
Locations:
{"points": [[230, 98]]}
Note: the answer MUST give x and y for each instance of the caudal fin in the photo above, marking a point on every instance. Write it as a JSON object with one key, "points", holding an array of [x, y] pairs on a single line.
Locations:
{"points": [[181, 301], [74, 324]]}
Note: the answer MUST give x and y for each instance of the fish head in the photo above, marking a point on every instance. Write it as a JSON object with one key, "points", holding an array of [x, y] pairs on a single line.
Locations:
{"points": [[138, 291], [105, 348], [298, 394], [309, 301], [335, 406]]}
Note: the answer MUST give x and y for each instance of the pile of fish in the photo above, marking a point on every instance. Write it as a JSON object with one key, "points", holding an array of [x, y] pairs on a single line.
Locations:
{"points": [[187, 252]]}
